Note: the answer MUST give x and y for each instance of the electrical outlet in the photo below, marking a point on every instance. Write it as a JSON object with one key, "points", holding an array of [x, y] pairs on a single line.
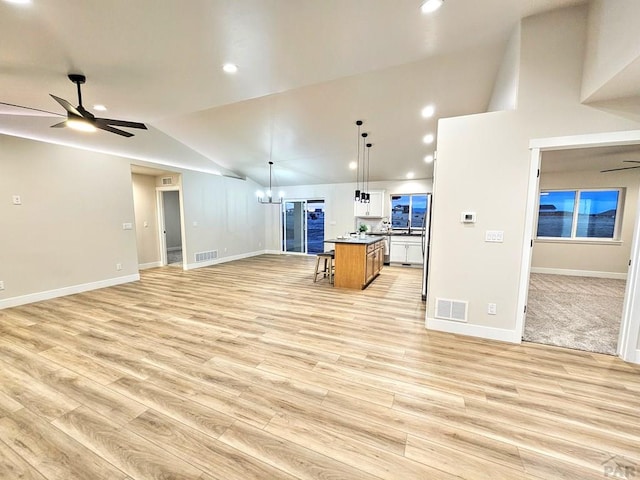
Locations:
{"points": [[1, 284], [492, 309], [118, 266]]}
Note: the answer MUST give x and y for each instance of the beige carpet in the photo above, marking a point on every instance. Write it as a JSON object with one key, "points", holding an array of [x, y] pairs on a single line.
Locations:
{"points": [[583, 313]]}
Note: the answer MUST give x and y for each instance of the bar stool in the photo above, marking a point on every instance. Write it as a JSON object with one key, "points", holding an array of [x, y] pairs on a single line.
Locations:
{"points": [[328, 258]]}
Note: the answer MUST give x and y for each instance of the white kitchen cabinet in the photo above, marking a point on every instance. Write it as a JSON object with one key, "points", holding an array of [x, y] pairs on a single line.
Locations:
{"points": [[373, 209], [407, 250]]}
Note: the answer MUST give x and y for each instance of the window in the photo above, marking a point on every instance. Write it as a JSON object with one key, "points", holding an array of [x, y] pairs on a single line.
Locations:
{"points": [[579, 214], [408, 211]]}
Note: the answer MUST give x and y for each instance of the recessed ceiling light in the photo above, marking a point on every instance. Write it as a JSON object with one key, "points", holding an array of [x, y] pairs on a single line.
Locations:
{"points": [[353, 165], [428, 158], [410, 175], [428, 138], [19, 2], [100, 108], [230, 68], [428, 111], [430, 6]]}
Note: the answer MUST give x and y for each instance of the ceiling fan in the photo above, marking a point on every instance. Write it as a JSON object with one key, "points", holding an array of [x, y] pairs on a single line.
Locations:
{"points": [[81, 119], [622, 168]]}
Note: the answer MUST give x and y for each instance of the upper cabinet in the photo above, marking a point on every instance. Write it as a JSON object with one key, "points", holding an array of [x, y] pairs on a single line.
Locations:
{"points": [[375, 208]]}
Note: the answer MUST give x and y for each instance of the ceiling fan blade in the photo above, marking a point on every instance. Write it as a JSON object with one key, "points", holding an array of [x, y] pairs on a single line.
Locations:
{"points": [[616, 169], [60, 125], [121, 123], [67, 106], [117, 131]]}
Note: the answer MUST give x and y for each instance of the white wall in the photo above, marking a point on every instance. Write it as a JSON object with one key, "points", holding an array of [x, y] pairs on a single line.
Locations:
{"points": [[613, 43], [146, 216], [222, 214], [600, 259], [505, 89], [67, 235], [483, 166]]}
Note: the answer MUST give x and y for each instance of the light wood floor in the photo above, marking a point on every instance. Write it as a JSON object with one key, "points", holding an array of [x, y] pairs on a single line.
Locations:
{"points": [[249, 370]]}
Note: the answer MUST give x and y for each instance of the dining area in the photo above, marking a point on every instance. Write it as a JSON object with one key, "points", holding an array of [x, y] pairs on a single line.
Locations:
{"points": [[353, 263]]}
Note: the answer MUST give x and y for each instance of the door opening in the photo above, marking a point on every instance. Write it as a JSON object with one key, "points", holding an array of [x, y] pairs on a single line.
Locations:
{"points": [[303, 226], [170, 219], [558, 149]]}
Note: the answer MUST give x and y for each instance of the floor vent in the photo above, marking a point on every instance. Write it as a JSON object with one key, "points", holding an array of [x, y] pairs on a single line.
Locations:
{"points": [[206, 256], [167, 180], [451, 309]]}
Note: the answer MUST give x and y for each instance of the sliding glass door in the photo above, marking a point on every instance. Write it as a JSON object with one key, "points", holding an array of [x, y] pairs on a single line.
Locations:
{"points": [[303, 226]]}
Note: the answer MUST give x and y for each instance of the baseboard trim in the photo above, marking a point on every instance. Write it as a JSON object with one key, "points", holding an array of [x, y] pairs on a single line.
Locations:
{"points": [[62, 292], [144, 266], [489, 333], [273, 252], [216, 261], [579, 273]]}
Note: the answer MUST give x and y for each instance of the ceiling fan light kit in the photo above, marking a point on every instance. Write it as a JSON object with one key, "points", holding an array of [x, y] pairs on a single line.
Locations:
{"points": [[81, 119]]}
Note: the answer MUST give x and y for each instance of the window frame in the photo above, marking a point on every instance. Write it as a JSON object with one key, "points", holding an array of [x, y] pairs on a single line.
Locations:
{"points": [[410, 195], [617, 226]]}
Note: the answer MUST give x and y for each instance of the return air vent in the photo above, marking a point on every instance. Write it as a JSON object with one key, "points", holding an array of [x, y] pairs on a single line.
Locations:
{"points": [[167, 181], [206, 256], [451, 309]]}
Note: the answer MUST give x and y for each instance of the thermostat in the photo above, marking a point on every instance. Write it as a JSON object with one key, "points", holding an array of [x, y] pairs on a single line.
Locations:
{"points": [[468, 217]]}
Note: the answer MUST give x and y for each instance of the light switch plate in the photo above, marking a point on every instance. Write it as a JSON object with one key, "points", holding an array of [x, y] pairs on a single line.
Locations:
{"points": [[127, 226], [494, 236]]}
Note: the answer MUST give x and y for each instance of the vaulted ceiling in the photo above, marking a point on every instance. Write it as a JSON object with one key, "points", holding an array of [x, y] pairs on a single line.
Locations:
{"points": [[307, 70]]}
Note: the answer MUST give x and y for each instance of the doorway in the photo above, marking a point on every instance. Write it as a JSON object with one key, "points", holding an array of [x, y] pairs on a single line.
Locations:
{"points": [[170, 219], [629, 322], [303, 226]]}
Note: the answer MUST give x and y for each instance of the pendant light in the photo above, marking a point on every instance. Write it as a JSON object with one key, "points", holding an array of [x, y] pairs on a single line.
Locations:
{"points": [[269, 194], [364, 196], [369, 145], [358, 193]]}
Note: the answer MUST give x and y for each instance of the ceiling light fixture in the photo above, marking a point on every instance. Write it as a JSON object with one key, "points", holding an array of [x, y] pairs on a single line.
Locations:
{"points": [[356, 197], [368, 195], [80, 124], [230, 68], [430, 6], [100, 108], [428, 111], [364, 196], [428, 139], [19, 2], [267, 198], [353, 166], [410, 175], [428, 158]]}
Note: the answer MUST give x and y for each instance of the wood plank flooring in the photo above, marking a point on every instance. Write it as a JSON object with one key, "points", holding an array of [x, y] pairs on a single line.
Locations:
{"points": [[249, 370]]}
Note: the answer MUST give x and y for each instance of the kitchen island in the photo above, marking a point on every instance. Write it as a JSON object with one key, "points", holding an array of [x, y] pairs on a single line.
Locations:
{"points": [[357, 260]]}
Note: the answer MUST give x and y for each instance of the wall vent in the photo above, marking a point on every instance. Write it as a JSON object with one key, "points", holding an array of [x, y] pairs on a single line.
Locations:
{"points": [[206, 256], [167, 180], [451, 309]]}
